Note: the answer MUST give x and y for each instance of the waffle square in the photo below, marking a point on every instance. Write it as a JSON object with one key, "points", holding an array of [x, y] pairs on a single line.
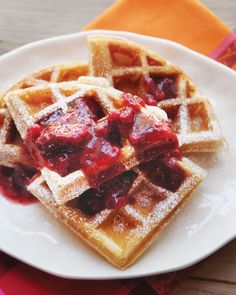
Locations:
{"points": [[46, 105], [12, 151], [54, 74], [122, 235], [132, 68], [194, 120]]}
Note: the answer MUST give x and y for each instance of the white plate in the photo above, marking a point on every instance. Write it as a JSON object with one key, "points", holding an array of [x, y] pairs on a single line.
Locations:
{"points": [[207, 222]]}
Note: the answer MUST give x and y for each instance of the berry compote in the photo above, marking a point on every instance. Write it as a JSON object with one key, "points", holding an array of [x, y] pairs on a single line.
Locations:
{"points": [[87, 139], [159, 88], [165, 172], [112, 194], [13, 183]]}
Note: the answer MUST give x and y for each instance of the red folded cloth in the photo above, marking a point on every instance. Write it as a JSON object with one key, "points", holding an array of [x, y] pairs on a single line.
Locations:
{"points": [[19, 278], [187, 22]]}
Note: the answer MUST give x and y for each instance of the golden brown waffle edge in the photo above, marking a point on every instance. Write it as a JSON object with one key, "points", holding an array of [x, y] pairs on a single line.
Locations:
{"points": [[126, 64], [121, 236]]}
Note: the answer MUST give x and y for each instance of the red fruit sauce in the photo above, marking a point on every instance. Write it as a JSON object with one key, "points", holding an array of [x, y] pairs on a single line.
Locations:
{"points": [[75, 140], [159, 88], [112, 194], [165, 172], [13, 182]]}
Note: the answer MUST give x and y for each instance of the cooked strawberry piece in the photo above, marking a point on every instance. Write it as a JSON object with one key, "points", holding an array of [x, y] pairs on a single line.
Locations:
{"points": [[150, 100], [61, 138], [103, 129], [51, 118], [127, 115], [98, 155], [90, 202], [147, 132], [167, 85], [176, 153], [116, 191], [75, 142], [107, 174], [165, 172], [123, 121], [159, 88], [87, 108], [133, 101], [153, 94], [112, 194], [143, 131]]}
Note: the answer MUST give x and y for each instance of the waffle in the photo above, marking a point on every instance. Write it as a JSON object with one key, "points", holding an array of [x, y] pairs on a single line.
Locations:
{"points": [[42, 103], [132, 68], [12, 151], [122, 235], [54, 74]]}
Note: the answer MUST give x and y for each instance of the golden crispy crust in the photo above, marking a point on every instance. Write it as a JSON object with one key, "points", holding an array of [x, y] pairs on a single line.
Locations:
{"points": [[126, 64], [121, 236], [12, 151], [34, 103]]}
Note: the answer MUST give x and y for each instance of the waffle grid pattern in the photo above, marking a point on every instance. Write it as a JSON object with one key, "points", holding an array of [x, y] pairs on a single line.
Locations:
{"points": [[121, 236], [12, 152], [126, 65], [50, 98]]}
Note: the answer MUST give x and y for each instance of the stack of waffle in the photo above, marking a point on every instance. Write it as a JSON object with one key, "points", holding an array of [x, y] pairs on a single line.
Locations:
{"points": [[110, 165]]}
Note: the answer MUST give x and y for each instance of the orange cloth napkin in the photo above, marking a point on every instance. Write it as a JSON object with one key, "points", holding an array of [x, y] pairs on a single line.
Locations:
{"points": [[185, 21]]}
